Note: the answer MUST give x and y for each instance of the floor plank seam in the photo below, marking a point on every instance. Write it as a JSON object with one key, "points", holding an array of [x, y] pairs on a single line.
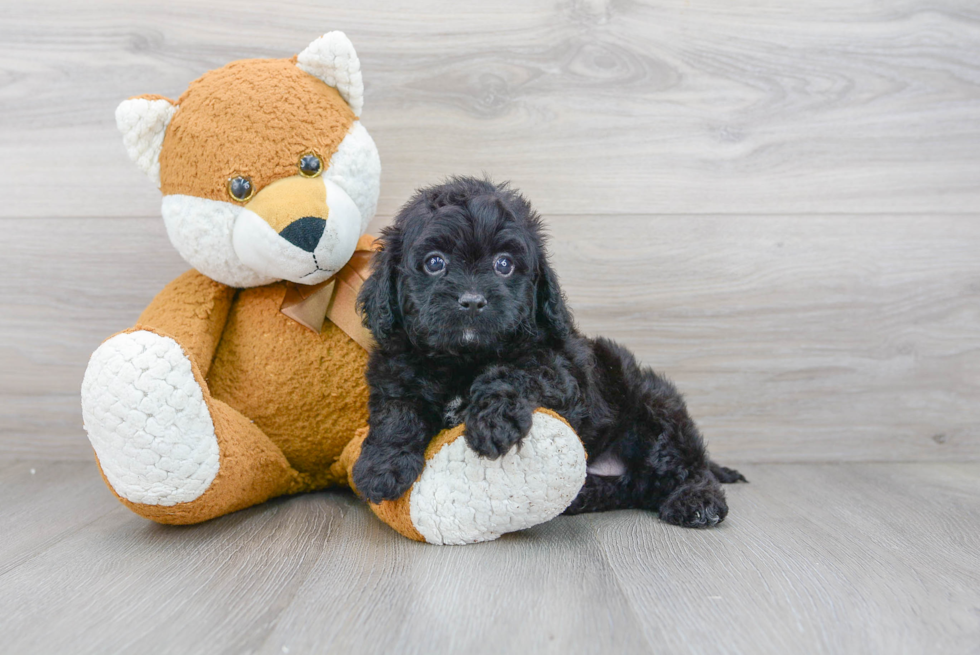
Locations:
{"points": [[619, 583]]}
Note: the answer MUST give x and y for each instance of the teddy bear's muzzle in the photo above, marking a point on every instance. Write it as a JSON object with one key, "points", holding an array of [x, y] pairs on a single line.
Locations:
{"points": [[291, 199], [298, 229]]}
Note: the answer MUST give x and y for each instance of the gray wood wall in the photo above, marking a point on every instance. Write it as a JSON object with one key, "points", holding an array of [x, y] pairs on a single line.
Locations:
{"points": [[776, 204]]}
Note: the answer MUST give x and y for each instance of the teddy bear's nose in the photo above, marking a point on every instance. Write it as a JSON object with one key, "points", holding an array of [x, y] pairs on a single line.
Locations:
{"points": [[305, 232]]}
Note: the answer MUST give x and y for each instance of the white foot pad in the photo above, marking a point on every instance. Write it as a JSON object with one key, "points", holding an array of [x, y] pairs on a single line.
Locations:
{"points": [[463, 498], [147, 420]]}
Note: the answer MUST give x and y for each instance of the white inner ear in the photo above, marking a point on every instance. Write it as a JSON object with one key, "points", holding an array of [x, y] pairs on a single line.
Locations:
{"points": [[332, 59], [143, 124]]}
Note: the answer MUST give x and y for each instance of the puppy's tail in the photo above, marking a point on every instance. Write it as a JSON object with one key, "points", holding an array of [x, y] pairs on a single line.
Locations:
{"points": [[724, 474]]}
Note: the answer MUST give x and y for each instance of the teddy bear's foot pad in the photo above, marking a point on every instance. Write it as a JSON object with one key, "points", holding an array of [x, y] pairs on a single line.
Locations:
{"points": [[148, 421], [464, 498]]}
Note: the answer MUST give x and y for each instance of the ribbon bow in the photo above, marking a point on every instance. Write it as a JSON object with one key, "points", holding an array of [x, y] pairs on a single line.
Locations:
{"points": [[335, 298]]}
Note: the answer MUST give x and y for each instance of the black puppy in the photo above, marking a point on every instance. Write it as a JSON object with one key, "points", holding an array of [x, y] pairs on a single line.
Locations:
{"points": [[472, 328]]}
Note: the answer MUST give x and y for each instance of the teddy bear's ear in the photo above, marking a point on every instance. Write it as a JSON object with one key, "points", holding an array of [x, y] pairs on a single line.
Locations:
{"points": [[332, 59], [143, 122]]}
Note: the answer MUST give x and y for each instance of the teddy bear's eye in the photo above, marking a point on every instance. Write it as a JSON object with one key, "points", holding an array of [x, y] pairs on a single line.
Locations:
{"points": [[310, 165], [240, 188]]}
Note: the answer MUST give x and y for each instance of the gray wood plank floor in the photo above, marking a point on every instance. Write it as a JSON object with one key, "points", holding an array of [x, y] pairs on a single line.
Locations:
{"points": [[850, 558]]}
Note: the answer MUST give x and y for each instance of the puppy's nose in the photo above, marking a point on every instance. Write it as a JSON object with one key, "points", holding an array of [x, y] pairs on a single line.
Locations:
{"points": [[305, 232], [472, 302]]}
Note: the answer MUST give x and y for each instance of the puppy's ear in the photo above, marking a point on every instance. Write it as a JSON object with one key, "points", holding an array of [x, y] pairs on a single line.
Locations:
{"points": [[377, 301], [551, 312]]}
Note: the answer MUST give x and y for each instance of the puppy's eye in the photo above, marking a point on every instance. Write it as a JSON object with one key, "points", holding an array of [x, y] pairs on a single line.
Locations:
{"points": [[240, 188], [504, 265], [434, 263], [310, 165]]}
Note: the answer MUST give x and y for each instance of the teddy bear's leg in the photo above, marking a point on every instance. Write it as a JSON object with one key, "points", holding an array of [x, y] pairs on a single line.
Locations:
{"points": [[463, 498], [167, 449]]}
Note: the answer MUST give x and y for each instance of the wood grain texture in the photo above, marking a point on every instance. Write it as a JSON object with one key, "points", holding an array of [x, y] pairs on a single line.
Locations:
{"points": [[44, 502], [873, 558], [831, 559], [63, 291], [589, 105], [826, 339]]}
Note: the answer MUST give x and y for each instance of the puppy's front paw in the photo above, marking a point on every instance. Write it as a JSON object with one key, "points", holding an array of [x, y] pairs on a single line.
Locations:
{"points": [[699, 504], [386, 474], [495, 423]]}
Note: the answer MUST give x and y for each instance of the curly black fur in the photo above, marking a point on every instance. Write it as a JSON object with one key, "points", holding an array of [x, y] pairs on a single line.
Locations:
{"points": [[442, 360]]}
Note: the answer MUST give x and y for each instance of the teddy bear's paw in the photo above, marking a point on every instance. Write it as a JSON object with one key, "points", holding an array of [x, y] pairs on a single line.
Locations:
{"points": [[464, 498], [148, 421]]}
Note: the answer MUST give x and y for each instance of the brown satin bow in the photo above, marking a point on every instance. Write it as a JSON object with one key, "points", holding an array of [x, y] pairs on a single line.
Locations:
{"points": [[334, 299]]}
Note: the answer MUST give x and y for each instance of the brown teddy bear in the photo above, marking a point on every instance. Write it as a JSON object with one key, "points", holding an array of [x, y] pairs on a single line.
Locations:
{"points": [[244, 378]]}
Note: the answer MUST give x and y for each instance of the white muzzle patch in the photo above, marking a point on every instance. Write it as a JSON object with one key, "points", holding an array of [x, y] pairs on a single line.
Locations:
{"points": [[234, 246]]}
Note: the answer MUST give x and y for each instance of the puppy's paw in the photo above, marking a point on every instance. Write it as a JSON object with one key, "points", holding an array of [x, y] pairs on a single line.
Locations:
{"points": [[386, 474], [698, 504], [495, 422]]}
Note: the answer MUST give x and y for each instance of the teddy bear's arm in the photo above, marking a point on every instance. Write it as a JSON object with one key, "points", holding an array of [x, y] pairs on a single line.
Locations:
{"points": [[192, 309]]}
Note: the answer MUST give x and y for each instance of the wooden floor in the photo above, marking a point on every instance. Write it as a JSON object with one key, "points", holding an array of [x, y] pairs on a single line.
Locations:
{"points": [[847, 558]]}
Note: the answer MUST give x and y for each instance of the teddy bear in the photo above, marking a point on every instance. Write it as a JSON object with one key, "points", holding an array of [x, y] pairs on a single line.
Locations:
{"points": [[243, 379]]}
